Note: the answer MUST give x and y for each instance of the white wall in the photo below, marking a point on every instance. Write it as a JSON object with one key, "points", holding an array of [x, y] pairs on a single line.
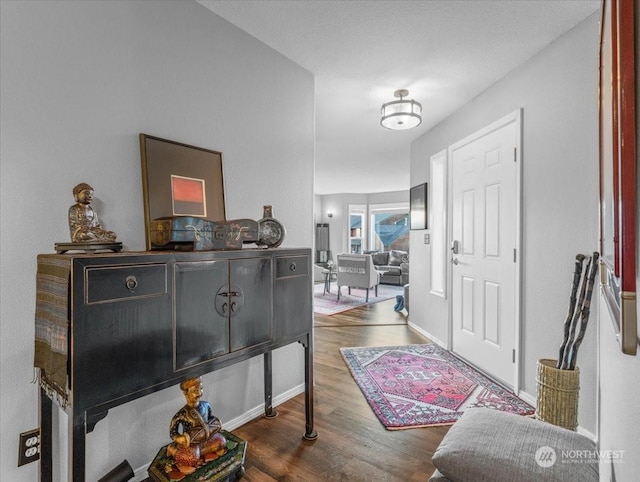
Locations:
{"points": [[619, 389], [79, 81], [619, 392], [557, 90]]}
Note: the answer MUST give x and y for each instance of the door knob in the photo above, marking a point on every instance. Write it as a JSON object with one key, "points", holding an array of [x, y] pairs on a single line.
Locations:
{"points": [[454, 261]]}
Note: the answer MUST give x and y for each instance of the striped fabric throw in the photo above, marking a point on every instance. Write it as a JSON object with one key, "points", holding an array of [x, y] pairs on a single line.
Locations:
{"points": [[52, 324]]}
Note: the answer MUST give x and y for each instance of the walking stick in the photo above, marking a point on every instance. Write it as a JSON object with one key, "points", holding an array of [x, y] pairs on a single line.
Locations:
{"points": [[572, 305], [584, 315], [564, 365]]}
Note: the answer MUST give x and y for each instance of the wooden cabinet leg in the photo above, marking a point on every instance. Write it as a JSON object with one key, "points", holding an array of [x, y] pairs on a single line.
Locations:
{"points": [[77, 448], [269, 412], [310, 433], [46, 437]]}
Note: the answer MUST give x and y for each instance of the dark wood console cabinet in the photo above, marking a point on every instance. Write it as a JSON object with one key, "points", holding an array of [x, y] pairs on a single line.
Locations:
{"points": [[141, 322]]}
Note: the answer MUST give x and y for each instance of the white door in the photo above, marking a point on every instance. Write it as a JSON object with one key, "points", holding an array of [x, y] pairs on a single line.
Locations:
{"points": [[484, 221]]}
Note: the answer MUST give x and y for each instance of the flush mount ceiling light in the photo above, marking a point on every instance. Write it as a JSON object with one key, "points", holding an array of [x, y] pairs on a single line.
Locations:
{"points": [[401, 114]]}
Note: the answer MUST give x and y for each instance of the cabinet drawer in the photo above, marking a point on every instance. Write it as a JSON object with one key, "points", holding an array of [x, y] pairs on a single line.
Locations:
{"points": [[292, 266], [104, 284]]}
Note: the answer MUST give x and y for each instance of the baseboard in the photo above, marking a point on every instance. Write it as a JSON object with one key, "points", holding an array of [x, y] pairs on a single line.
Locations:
{"points": [[527, 397], [587, 434], [140, 473], [426, 334], [531, 400], [259, 410]]}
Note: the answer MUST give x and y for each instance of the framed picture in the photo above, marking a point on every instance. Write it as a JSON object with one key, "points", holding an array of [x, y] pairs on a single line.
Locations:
{"points": [[180, 180], [618, 189], [418, 206]]}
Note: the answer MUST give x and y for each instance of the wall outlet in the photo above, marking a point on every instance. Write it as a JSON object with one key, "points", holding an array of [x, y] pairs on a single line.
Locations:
{"points": [[29, 447]]}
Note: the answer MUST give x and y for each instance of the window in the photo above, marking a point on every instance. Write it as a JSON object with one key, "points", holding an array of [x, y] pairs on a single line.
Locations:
{"points": [[389, 227], [357, 228]]}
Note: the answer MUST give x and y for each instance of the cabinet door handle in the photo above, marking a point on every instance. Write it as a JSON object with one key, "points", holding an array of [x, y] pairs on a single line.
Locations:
{"points": [[231, 300], [292, 267], [228, 294], [131, 283]]}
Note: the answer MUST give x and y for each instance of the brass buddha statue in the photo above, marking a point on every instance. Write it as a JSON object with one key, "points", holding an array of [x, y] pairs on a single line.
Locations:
{"points": [[84, 225]]}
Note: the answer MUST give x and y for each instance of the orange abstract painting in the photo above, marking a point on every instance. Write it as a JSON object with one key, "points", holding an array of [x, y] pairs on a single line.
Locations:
{"points": [[189, 198]]}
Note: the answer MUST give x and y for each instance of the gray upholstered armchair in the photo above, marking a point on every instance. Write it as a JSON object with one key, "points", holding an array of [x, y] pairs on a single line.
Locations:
{"points": [[357, 271]]}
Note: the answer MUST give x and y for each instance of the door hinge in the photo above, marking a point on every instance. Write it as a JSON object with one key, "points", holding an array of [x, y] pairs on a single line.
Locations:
{"points": [[515, 154], [513, 356], [514, 255]]}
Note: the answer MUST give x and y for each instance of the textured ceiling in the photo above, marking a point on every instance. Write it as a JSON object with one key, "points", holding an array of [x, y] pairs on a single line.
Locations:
{"points": [[445, 52]]}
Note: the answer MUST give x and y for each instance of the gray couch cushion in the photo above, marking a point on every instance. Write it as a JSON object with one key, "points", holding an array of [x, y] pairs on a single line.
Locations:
{"points": [[397, 257], [381, 259], [487, 445]]}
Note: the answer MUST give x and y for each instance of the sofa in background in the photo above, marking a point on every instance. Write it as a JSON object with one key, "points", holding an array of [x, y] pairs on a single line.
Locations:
{"points": [[394, 265]]}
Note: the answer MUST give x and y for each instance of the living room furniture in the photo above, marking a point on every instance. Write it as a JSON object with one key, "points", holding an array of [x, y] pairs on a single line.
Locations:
{"points": [[330, 274], [394, 264], [487, 445], [318, 273], [357, 271], [129, 324]]}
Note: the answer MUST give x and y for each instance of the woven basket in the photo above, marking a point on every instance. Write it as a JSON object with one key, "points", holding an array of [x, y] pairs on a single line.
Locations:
{"points": [[557, 395]]}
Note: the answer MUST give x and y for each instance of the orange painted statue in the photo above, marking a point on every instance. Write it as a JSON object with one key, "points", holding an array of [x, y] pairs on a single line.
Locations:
{"points": [[195, 431]]}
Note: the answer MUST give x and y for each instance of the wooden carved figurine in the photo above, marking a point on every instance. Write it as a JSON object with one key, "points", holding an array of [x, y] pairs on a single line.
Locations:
{"points": [[195, 431], [83, 220]]}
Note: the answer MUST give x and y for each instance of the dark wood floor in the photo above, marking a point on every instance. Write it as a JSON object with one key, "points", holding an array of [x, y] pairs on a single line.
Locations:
{"points": [[352, 444], [380, 313]]}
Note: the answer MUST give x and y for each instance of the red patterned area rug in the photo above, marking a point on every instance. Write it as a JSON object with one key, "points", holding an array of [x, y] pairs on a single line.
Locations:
{"points": [[424, 385], [328, 304]]}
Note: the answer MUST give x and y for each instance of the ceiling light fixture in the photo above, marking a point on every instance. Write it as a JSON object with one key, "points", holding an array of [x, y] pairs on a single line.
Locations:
{"points": [[401, 114]]}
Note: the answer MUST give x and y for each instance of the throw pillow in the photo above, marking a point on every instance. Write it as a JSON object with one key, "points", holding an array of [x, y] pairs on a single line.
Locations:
{"points": [[397, 257], [381, 259], [486, 445]]}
